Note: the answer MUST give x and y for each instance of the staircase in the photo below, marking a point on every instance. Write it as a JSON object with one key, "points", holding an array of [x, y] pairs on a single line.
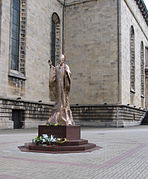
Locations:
{"points": [[145, 119]]}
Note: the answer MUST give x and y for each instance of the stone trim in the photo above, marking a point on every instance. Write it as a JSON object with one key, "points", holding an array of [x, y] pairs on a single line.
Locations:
{"points": [[132, 58], [107, 115], [62, 2], [87, 115], [107, 105], [58, 43], [17, 78], [56, 20], [136, 19], [16, 75], [24, 101], [143, 9], [132, 90], [142, 68], [22, 37], [77, 2], [23, 19]]}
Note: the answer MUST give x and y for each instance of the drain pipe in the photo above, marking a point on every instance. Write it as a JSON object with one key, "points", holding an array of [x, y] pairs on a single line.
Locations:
{"points": [[117, 118], [0, 22], [118, 57], [63, 27], [119, 50]]}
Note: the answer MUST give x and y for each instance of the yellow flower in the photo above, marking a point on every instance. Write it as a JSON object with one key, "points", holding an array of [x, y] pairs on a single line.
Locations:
{"points": [[55, 124]]}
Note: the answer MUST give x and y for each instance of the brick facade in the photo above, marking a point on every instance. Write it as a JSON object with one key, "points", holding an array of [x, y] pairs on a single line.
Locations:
{"points": [[95, 37], [131, 16], [85, 115], [91, 47], [34, 113], [29, 84], [107, 115], [23, 22]]}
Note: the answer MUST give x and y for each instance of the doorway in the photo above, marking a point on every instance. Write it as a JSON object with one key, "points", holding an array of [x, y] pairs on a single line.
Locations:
{"points": [[18, 118]]}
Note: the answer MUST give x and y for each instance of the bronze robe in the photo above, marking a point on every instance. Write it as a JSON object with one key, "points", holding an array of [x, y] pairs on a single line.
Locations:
{"points": [[59, 83]]}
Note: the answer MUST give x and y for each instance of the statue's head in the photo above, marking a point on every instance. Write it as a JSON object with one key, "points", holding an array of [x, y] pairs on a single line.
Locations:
{"points": [[62, 59]]}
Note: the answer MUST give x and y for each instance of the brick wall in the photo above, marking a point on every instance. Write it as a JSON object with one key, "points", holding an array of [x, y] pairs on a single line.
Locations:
{"points": [[85, 115], [107, 115], [35, 44], [131, 16], [91, 50], [34, 113]]}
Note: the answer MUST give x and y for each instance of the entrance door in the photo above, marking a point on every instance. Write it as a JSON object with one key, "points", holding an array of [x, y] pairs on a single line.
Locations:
{"points": [[18, 118]]}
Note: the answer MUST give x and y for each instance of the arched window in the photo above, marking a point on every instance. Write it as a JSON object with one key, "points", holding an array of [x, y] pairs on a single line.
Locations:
{"points": [[55, 38], [132, 59], [15, 34], [142, 68], [18, 35]]}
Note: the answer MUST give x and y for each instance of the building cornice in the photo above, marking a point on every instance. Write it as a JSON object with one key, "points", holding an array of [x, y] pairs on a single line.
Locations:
{"points": [[140, 3], [62, 2], [143, 9]]}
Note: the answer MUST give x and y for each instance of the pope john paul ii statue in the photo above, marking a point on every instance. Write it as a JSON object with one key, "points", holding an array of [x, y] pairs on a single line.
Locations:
{"points": [[59, 84]]}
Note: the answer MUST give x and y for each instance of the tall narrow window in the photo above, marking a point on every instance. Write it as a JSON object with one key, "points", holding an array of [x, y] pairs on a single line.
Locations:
{"points": [[15, 35], [146, 77], [146, 57], [142, 68], [132, 59], [55, 38]]}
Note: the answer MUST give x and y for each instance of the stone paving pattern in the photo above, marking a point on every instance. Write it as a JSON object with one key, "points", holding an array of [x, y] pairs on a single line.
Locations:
{"points": [[124, 155]]}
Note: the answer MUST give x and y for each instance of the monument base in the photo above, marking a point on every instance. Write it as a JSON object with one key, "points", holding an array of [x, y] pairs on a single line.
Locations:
{"points": [[73, 144]]}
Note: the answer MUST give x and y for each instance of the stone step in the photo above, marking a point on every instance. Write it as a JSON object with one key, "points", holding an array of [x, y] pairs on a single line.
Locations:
{"points": [[145, 120], [32, 147], [74, 142]]}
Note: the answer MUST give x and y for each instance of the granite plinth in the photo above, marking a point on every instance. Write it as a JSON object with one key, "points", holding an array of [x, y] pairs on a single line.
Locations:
{"points": [[68, 132], [72, 145], [57, 151]]}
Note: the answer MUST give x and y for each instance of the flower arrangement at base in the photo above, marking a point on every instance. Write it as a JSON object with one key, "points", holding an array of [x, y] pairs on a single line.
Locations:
{"points": [[50, 124], [48, 140]]}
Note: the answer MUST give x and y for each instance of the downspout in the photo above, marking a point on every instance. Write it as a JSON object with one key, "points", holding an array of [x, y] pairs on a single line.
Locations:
{"points": [[63, 21], [0, 22], [119, 50]]}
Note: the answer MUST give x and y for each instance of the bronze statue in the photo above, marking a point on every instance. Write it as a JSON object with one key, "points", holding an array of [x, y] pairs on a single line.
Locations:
{"points": [[59, 84]]}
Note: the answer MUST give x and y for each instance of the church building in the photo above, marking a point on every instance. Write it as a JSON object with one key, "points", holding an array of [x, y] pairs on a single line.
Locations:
{"points": [[106, 46]]}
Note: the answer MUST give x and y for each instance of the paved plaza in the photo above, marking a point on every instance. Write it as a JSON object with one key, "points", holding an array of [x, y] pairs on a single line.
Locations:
{"points": [[124, 155]]}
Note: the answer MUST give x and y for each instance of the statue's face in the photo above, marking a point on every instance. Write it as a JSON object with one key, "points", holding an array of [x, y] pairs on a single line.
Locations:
{"points": [[62, 58]]}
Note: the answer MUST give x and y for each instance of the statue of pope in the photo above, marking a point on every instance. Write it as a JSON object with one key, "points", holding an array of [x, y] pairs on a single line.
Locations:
{"points": [[59, 84]]}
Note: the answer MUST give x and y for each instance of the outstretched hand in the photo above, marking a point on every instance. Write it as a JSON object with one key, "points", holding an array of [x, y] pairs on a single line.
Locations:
{"points": [[50, 63]]}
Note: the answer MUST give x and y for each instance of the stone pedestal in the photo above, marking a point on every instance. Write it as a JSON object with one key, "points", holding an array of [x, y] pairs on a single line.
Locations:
{"points": [[68, 132], [73, 144]]}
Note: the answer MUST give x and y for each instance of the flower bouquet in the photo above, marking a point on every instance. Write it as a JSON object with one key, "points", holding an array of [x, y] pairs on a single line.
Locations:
{"points": [[48, 140]]}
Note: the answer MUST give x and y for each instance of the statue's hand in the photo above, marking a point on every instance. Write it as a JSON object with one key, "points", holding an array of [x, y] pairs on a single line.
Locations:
{"points": [[50, 63]]}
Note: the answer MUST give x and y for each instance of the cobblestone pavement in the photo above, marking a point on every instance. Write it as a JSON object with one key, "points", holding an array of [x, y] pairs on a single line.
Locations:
{"points": [[124, 155]]}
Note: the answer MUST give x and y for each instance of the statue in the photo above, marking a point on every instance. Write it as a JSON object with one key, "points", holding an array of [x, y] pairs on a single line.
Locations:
{"points": [[59, 84]]}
